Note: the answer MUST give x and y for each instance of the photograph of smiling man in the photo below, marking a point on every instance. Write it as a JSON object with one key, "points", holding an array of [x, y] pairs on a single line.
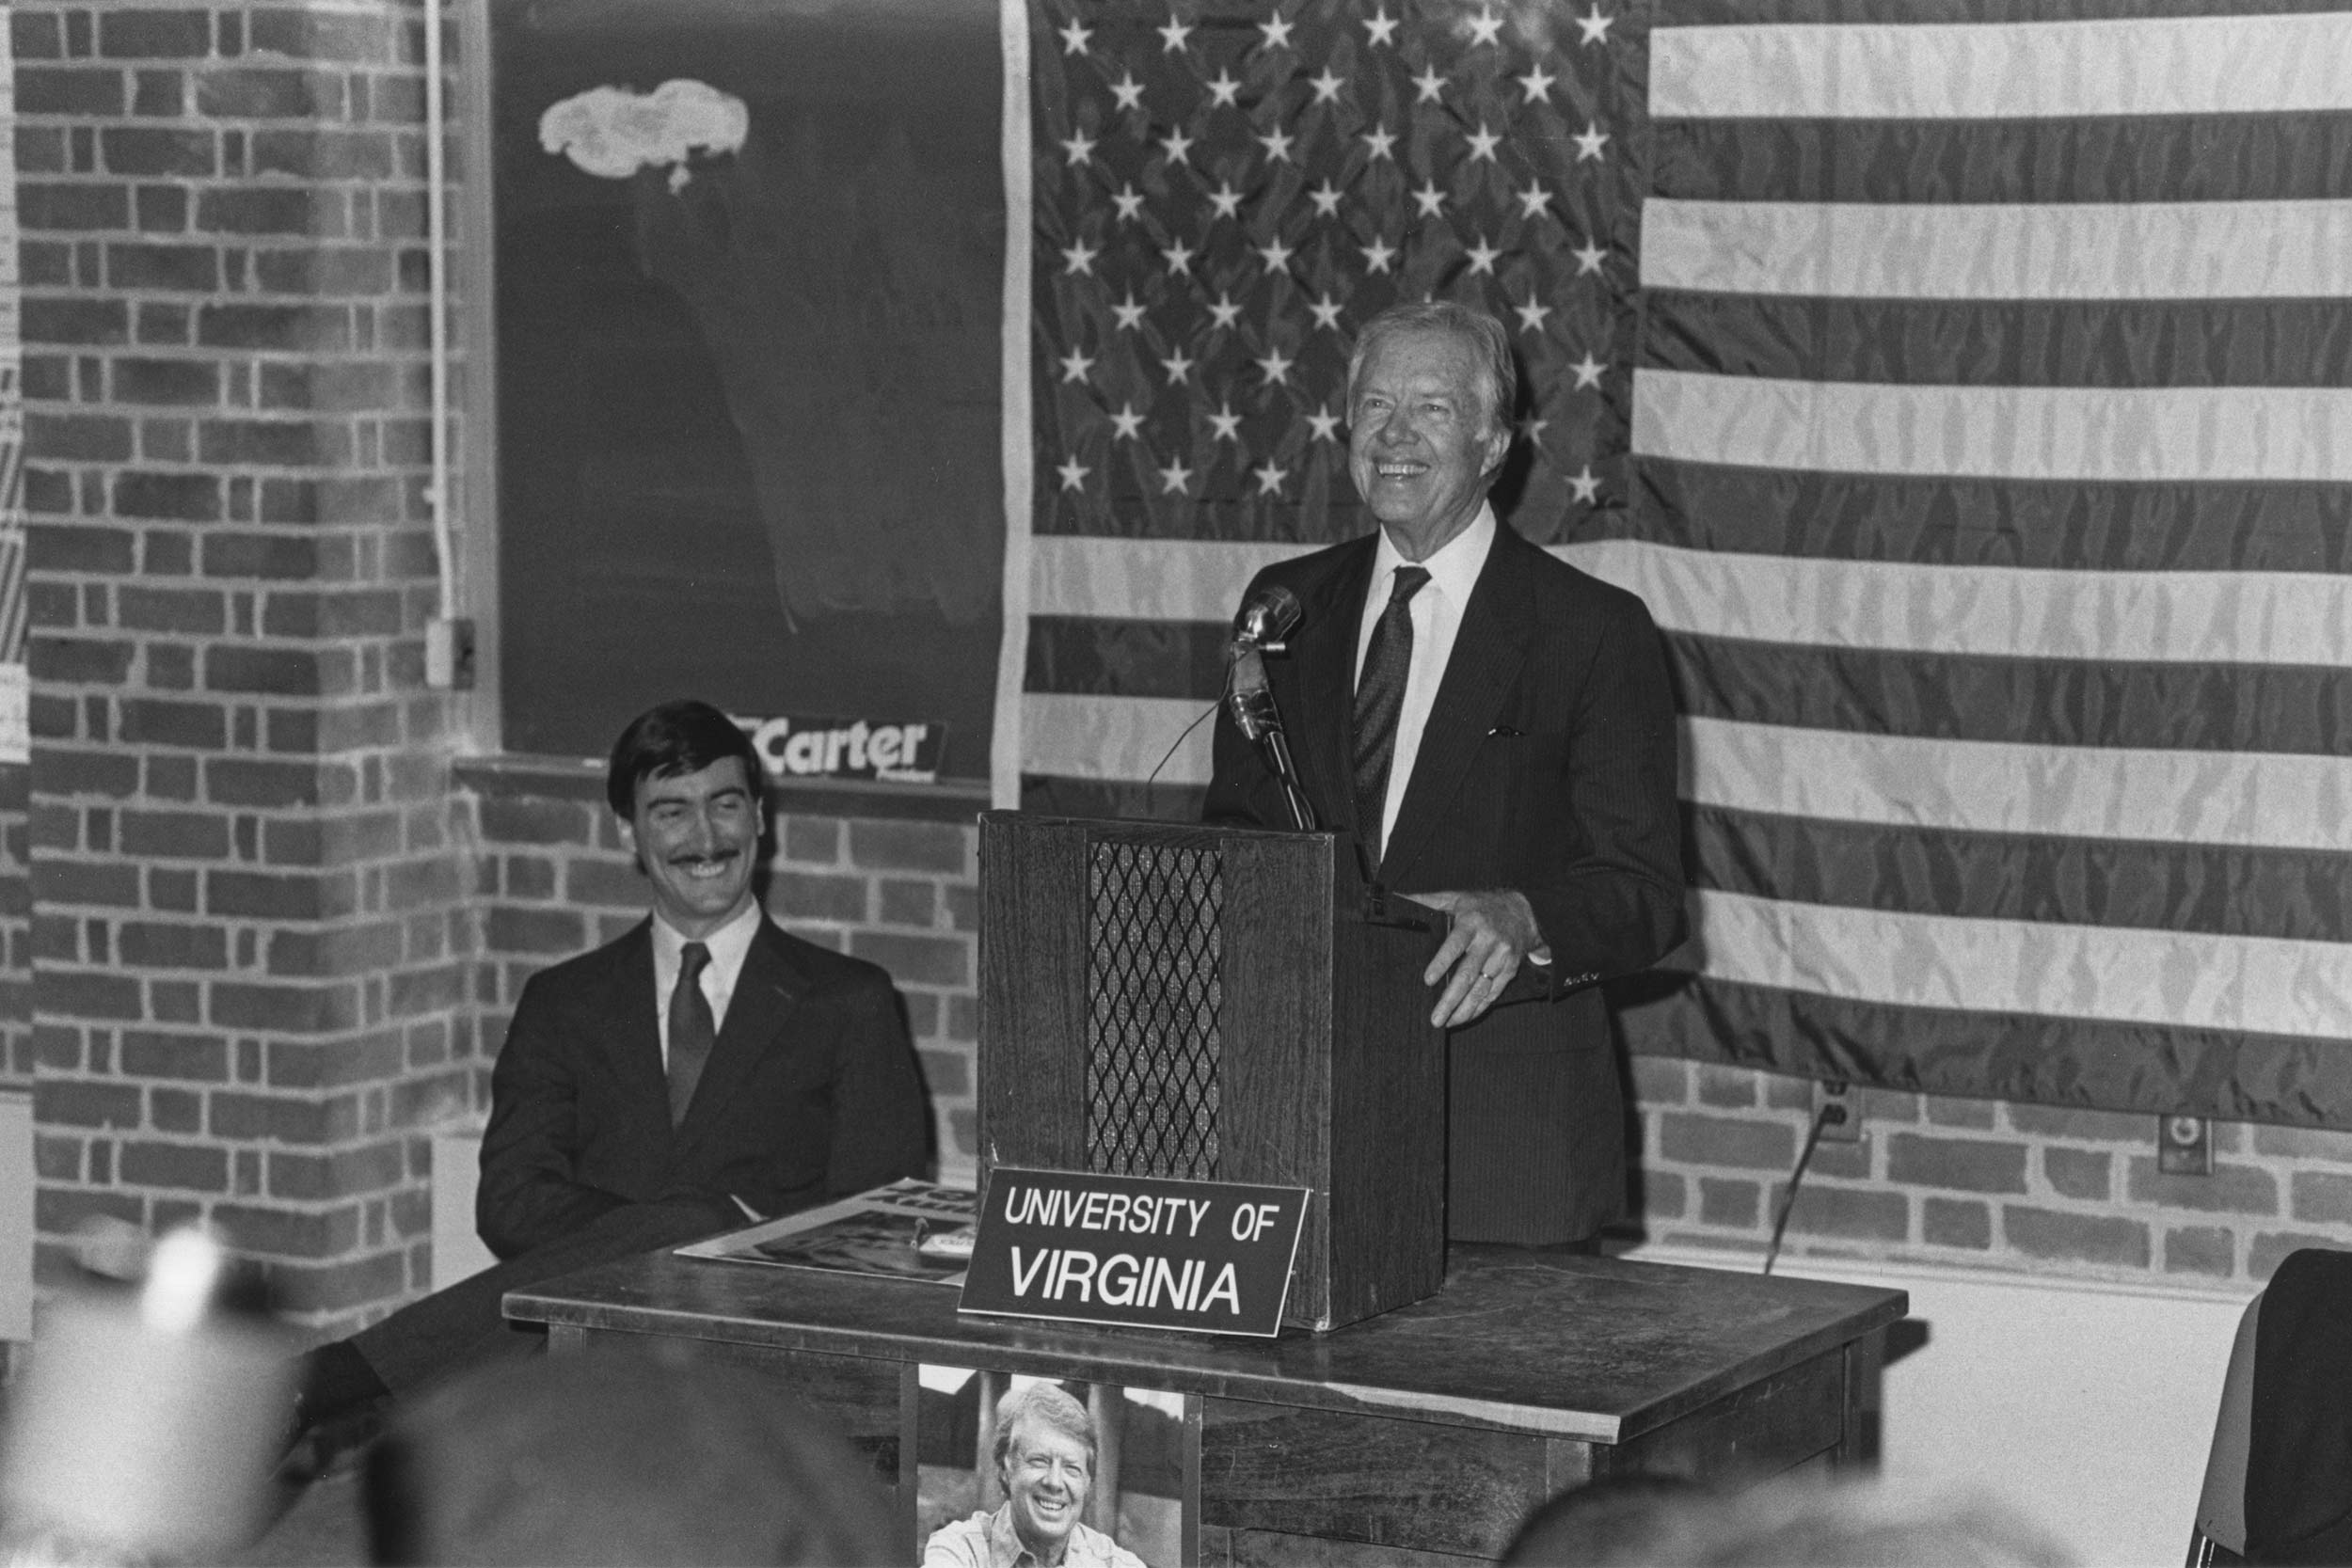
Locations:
{"points": [[1496, 729], [702, 1069], [1045, 1452]]}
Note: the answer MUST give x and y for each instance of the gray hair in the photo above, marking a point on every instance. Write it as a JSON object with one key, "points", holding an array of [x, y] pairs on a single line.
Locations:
{"points": [[1489, 342], [1048, 1405]]}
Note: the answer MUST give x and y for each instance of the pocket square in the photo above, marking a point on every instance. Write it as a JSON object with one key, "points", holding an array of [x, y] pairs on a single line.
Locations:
{"points": [[1504, 732]]}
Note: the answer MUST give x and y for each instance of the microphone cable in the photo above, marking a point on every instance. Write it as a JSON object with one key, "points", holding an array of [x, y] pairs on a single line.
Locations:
{"points": [[1829, 1113], [1206, 714]]}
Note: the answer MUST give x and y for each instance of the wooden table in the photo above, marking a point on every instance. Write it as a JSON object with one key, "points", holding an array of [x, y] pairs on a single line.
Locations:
{"points": [[1421, 1437]]}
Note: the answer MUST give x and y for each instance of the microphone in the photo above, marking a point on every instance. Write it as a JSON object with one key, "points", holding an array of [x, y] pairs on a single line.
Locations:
{"points": [[1267, 617], [1246, 694]]}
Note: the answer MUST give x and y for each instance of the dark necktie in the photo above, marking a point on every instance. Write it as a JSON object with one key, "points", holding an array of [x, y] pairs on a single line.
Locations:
{"points": [[1379, 694], [691, 1030]]}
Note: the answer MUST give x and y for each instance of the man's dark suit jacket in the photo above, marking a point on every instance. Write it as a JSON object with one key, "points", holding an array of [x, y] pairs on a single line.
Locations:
{"points": [[1547, 765], [811, 1093]]}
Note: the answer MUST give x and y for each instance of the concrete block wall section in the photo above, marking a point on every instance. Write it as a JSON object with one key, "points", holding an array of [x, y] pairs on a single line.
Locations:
{"points": [[249, 920]]}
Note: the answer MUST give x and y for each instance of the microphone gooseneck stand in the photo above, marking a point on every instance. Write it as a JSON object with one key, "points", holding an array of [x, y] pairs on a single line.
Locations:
{"points": [[1252, 703]]}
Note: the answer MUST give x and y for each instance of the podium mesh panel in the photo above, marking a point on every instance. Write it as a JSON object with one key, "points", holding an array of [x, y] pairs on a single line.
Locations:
{"points": [[1152, 1043]]}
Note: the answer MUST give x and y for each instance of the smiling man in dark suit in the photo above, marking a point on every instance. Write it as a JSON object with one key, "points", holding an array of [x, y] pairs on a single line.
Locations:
{"points": [[699, 1072], [1496, 729]]}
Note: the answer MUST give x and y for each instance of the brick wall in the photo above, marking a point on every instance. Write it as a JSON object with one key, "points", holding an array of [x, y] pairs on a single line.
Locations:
{"points": [[904, 894], [16, 1034], [1979, 1183], [16, 931], [249, 915]]}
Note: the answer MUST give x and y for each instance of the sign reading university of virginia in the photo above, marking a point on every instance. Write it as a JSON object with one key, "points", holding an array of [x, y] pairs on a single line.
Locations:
{"points": [[1145, 1252]]}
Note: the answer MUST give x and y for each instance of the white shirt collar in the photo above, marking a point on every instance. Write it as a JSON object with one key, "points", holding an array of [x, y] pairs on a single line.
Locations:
{"points": [[730, 944], [727, 945], [1454, 570]]}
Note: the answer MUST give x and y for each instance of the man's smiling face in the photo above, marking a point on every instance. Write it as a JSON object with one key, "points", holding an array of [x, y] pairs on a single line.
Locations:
{"points": [[1420, 439], [697, 836], [1047, 1474]]}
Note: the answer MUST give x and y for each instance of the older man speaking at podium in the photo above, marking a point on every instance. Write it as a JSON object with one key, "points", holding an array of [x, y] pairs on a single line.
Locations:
{"points": [[1495, 728]]}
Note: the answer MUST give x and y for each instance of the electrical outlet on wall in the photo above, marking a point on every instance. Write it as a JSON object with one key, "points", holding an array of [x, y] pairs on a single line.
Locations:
{"points": [[1843, 1108], [2185, 1146]]}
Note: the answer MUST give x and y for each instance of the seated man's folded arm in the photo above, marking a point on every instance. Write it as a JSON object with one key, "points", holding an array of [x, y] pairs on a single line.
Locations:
{"points": [[528, 1196], [880, 1122]]}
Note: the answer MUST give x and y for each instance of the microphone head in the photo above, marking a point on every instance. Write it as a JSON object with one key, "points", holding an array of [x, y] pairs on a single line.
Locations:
{"points": [[1246, 695], [1267, 615]]}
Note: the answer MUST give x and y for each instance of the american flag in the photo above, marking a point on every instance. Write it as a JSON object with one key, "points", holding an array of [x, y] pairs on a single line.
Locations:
{"points": [[1221, 195], [1985, 456]]}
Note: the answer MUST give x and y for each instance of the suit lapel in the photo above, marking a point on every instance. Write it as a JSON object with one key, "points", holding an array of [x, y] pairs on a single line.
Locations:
{"points": [[1325, 655], [764, 994], [634, 1046], [1488, 650]]}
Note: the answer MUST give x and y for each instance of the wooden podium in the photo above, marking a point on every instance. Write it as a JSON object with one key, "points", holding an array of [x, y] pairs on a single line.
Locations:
{"points": [[1219, 1003]]}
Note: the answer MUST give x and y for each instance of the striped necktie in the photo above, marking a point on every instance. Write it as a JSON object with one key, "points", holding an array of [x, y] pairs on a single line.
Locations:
{"points": [[1379, 696], [692, 1029]]}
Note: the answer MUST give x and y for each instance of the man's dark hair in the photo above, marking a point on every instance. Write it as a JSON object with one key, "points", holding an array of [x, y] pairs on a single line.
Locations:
{"points": [[680, 736]]}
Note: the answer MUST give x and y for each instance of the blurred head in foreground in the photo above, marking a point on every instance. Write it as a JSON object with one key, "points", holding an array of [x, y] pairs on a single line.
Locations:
{"points": [[1785, 1524], [612, 1459], [1611, 1520], [148, 1423]]}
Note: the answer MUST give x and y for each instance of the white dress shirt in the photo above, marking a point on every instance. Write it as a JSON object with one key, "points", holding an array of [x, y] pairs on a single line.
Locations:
{"points": [[728, 945], [1437, 612]]}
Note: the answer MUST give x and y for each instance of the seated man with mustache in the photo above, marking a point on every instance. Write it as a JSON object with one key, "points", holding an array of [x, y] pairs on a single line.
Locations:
{"points": [[702, 1072]]}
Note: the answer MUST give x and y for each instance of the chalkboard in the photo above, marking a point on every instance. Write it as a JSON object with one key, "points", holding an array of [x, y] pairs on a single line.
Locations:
{"points": [[748, 257]]}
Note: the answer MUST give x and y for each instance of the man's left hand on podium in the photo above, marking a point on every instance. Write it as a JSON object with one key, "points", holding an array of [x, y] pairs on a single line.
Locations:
{"points": [[1491, 932]]}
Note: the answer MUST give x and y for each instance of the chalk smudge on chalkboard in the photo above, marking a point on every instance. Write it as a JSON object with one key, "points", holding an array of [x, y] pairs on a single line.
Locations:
{"points": [[611, 133]]}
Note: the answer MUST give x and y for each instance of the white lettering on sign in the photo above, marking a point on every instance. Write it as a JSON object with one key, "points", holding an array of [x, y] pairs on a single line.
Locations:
{"points": [[1138, 1213], [1122, 1279], [802, 747], [1023, 1278], [1228, 1288]]}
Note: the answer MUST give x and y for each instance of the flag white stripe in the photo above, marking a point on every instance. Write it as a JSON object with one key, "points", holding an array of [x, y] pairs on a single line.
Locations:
{"points": [[1146, 579], [2237, 798], [2234, 798], [2019, 70], [2070, 251], [2178, 434], [2269, 984], [2010, 611], [2023, 612], [1114, 738]]}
